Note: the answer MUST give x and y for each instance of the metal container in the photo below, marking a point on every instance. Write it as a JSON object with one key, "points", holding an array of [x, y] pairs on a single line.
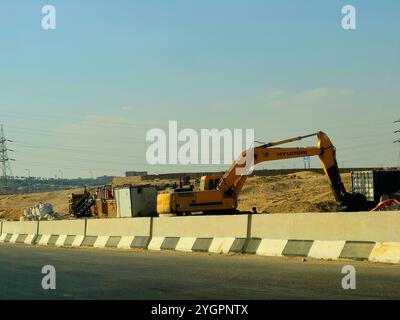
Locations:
{"points": [[136, 201], [375, 183]]}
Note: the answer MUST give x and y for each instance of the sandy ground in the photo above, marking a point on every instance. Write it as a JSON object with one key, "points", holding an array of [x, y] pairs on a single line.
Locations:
{"points": [[300, 192], [12, 206]]}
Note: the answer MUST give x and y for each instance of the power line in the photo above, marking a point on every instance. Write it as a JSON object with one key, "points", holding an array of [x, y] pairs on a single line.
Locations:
{"points": [[125, 124], [70, 134], [74, 135], [83, 121], [398, 141], [94, 148]]}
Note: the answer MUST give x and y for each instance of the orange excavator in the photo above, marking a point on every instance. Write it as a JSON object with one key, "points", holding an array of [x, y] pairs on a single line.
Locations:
{"points": [[222, 197]]}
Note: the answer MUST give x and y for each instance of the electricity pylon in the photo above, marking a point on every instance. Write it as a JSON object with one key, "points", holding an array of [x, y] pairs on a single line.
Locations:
{"points": [[6, 179]]}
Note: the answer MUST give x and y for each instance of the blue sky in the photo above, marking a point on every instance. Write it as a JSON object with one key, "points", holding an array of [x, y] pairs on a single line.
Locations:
{"points": [[81, 98]]}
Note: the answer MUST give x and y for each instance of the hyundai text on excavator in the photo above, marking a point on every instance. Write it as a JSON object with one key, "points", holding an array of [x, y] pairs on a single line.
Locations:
{"points": [[219, 194]]}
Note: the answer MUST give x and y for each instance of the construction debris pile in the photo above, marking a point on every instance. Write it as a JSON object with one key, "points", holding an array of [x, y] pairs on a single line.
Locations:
{"points": [[41, 211]]}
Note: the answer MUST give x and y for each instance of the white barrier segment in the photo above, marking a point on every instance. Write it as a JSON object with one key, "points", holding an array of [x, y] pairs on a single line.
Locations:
{"points": [[387, 252], [185, 244], [61, 240], [14, 238], [125, 242], [271, 247], [44, 240], [3, 237], [78, 241], [155, 243], [30, 239], [101, 241], [326, 249], [221, 245]]}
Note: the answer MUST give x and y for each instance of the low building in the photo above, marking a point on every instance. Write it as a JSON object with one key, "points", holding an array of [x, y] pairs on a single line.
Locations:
{"points": [[135, 173]]}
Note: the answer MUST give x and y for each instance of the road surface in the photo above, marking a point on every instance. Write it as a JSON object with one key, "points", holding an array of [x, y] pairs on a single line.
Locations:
{"points": [[112, 274]]}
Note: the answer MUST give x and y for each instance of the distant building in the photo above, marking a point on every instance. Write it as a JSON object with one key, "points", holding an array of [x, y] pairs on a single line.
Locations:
{"points": [[135, 173]]}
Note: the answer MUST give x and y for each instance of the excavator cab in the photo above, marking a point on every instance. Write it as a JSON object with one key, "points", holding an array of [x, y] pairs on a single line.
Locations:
{"points": [[210, 182]]}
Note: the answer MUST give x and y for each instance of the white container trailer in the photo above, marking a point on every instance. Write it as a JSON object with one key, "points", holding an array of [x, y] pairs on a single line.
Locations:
{"points": [[136, 201]]}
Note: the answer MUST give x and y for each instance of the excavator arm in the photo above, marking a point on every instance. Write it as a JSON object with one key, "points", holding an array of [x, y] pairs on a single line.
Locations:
{"points": [[233, 180]]}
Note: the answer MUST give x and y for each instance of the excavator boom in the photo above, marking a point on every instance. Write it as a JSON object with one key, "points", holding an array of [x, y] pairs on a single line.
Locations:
{"points": [[234, 179]]}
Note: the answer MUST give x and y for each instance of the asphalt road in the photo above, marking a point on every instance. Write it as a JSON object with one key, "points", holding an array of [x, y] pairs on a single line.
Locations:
{"points": [[112, 274]]}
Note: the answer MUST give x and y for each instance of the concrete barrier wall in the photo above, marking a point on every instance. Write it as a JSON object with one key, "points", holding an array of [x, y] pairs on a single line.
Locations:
{"points": [[201, 226], [20, 227], [373, 227], [118, 227], [63, 227], [365, 236]]}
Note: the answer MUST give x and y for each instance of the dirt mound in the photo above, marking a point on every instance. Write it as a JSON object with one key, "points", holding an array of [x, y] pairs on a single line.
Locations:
{"points": [[120, 181], [12, 206], [138, 181], [300, 192]]}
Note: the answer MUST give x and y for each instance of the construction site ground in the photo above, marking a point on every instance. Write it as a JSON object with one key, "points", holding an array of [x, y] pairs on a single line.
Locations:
{"points": [[292, 193]]}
